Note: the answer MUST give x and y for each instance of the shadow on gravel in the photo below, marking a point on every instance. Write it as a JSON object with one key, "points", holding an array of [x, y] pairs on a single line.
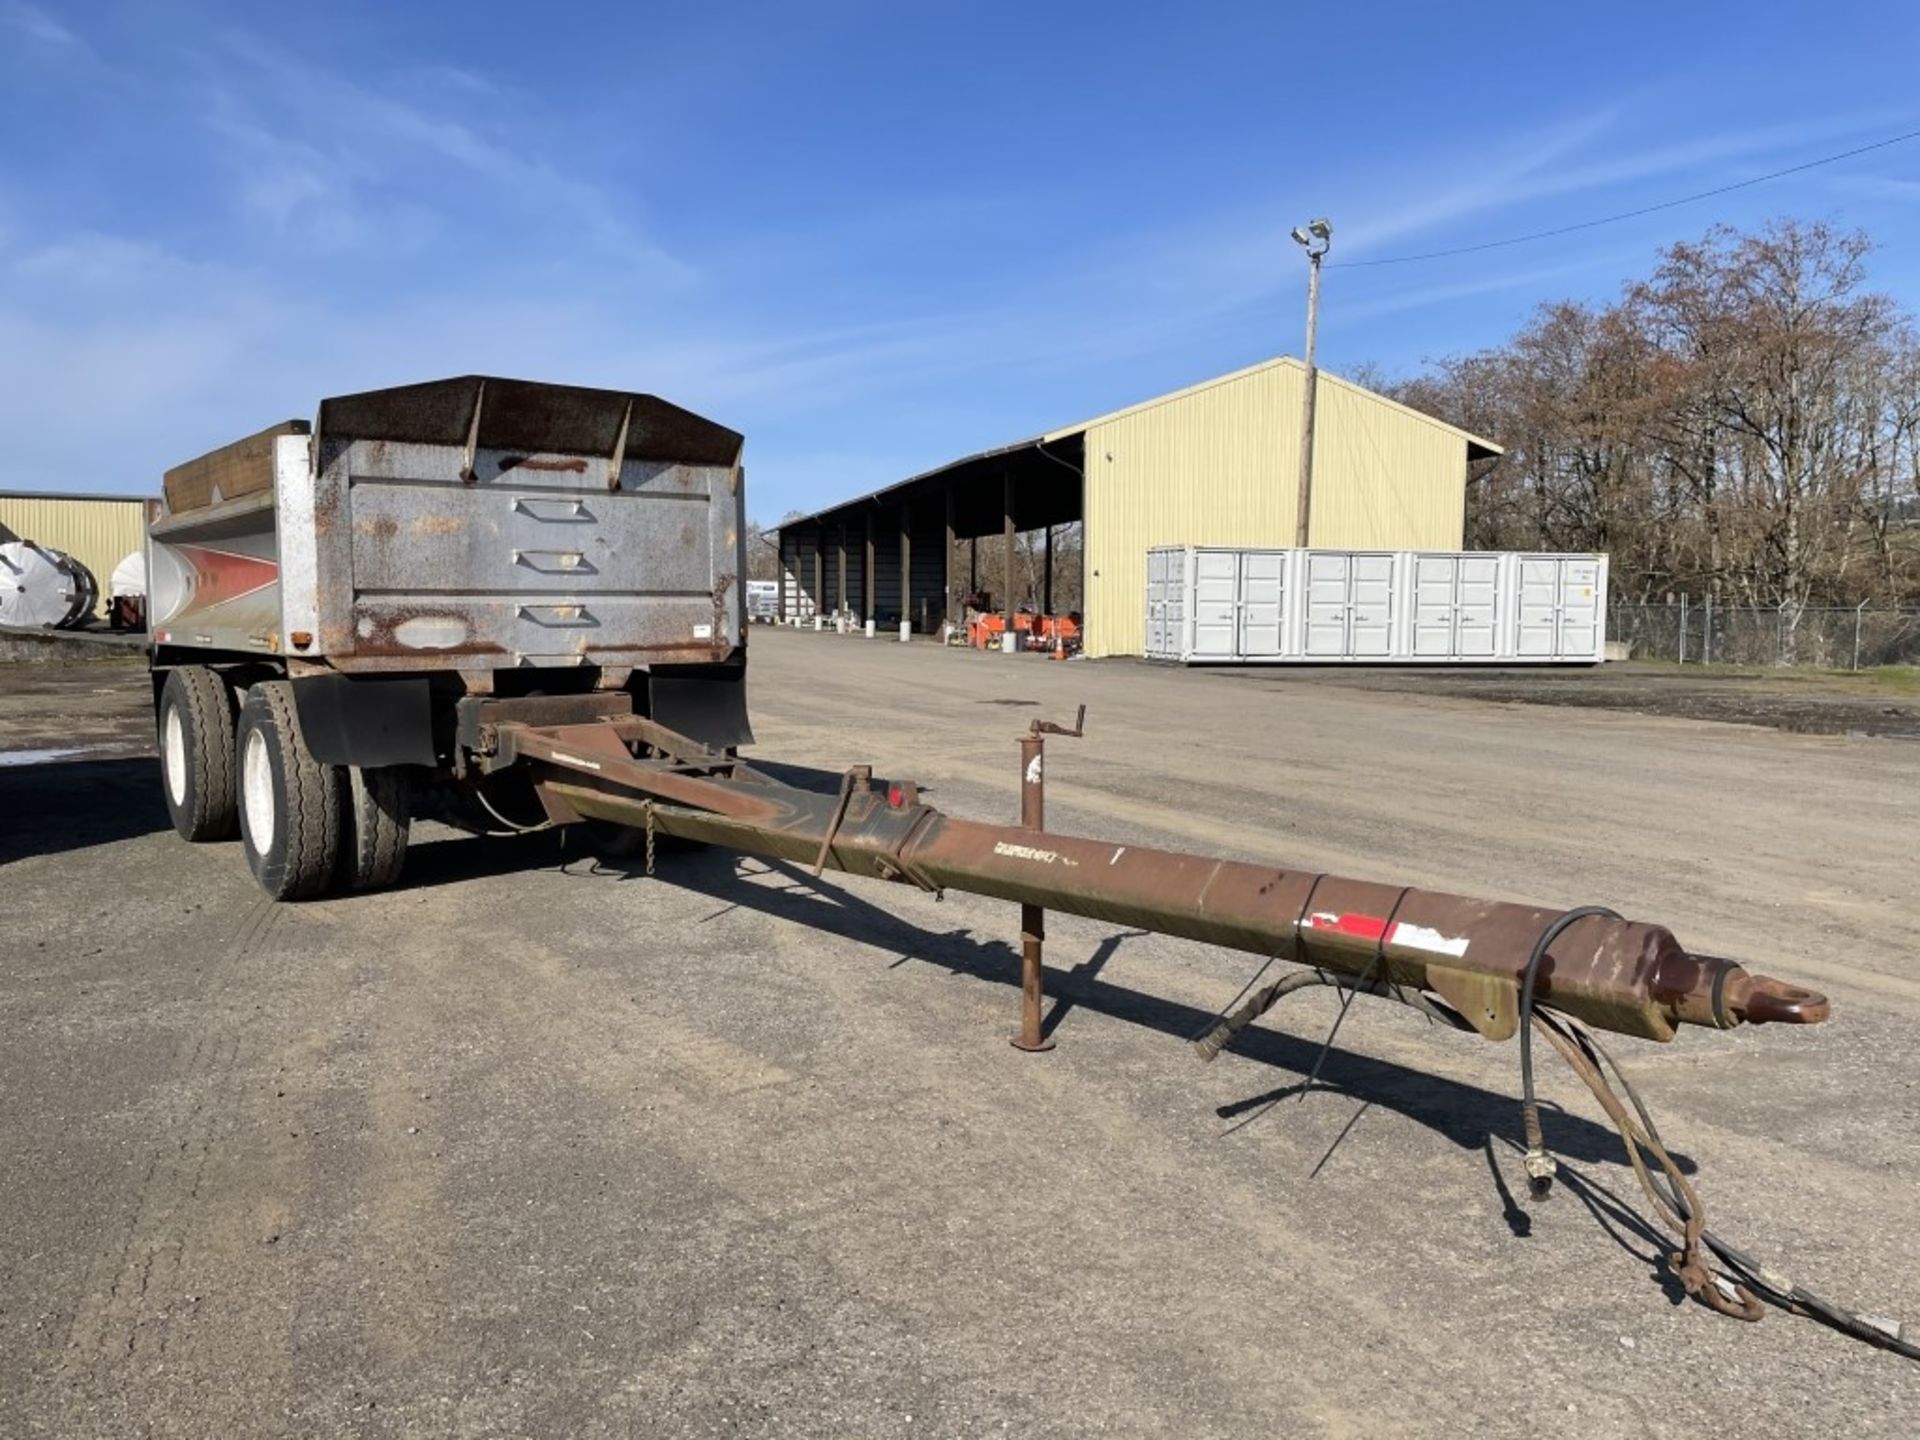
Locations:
{"points": [[64, 805], [1466, 1115], [1463, 1113]]}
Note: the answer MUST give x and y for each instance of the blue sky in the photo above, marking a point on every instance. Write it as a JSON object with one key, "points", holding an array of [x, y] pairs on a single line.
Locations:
{"points": [[871, 236]]}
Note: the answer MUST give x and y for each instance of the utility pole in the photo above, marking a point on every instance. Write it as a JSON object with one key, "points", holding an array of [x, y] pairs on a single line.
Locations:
{"points": [[1314, 238]]}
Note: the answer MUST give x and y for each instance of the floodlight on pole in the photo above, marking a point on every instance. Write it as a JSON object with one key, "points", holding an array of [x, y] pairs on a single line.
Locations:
{"points": [[1315, 237]]}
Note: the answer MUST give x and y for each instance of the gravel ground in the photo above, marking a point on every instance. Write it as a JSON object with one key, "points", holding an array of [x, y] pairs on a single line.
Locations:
{"points": [[539, 1146]]}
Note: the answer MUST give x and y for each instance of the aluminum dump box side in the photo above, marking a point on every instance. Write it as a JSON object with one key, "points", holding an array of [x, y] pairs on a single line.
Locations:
{"points": [[481, 522]]}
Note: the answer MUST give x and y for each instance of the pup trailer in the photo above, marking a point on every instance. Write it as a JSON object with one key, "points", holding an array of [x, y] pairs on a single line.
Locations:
{"points": [[518, 605]]}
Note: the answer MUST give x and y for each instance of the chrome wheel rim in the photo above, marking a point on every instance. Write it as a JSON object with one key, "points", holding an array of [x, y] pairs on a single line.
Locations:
{"points": [[174, 747], [256, 788]]}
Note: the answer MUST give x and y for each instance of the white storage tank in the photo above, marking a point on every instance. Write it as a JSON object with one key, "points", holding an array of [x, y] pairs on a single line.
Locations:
{"points": [[1220, 605]]}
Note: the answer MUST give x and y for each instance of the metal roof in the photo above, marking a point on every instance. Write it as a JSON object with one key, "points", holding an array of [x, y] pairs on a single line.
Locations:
{"points": [[74, 495], [1474, 443]]}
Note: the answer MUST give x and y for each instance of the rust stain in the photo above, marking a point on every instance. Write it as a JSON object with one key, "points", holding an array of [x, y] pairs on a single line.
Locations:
{"points": [[576, 466], [438, 525]]}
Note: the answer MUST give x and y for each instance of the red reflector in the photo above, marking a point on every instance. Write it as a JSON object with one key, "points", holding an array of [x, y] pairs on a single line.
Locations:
{"points": [[895, 798]]}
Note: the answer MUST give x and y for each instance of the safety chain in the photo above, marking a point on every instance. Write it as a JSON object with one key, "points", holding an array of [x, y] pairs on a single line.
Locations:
{"points": [[649, 837]]}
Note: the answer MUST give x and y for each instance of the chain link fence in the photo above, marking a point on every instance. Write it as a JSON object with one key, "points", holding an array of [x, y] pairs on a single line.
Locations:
{"points": [[1821, 637]]}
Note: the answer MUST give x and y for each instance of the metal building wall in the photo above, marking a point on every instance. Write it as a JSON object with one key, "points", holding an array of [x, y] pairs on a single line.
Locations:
{"points": [[100, 533], [1219, 465]]}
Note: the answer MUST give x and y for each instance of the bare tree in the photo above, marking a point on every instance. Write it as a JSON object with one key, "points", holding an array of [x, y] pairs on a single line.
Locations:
{"points": [[1744, 422]]}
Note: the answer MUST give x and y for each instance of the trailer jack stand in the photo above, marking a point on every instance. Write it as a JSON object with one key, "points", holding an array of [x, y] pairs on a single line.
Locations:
{"points": [[1033, 918]]}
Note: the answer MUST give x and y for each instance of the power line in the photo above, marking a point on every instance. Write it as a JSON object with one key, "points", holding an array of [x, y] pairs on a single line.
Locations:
{"points": [[1626, 214]]}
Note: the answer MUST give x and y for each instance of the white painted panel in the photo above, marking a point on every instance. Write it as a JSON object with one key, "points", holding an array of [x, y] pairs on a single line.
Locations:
{"points": [[1433, 606], [1221, 605], [1263, 586], [1580, 610], [1157, 604], [1216, 587], [1538, 601], [1370, 627], [1476, 607], [1327, 576], [1179, 611]]}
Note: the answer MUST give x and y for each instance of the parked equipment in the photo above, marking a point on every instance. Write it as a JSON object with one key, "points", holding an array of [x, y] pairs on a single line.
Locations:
{"points": [[127, 593], [521, 601], [1215, 605], [44, 588], [332, 592]]}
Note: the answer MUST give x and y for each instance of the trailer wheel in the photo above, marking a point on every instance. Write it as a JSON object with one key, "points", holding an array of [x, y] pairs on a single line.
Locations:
{"points": [[197, 753], [373, 835], [289, 801]]}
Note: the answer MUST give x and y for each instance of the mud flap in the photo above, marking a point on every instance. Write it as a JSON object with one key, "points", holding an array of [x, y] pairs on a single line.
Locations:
{"points": [[348, 721], [708, 704]]}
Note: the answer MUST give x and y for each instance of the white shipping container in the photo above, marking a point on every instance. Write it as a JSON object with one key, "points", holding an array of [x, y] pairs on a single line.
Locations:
{"points": [[1218, 605]]}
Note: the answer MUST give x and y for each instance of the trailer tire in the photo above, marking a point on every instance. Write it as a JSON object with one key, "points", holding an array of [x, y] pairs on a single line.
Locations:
{"points": [[289, 801], [373, 833], [197, 767]]}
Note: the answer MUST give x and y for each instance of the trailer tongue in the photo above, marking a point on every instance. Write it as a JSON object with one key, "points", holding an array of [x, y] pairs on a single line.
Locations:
{"points": [[1481, 966], [1626, 976]]}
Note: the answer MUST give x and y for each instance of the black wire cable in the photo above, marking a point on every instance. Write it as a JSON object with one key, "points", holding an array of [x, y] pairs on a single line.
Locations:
{"points": [[1774, 1288], [1777, 1290], [1539, 1164], [1625, 214]]}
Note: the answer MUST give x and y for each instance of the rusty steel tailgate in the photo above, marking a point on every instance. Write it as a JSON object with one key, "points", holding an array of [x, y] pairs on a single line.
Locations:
{"points": [[489, 522]]}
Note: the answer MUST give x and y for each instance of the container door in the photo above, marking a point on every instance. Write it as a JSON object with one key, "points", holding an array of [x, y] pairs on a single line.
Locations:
{"points": [[1434, 577], [1263, 583], [1579, 637], [1539, 605], [1371, 609], [1156, 603], [1476, 607], [1176, 596], [1327, 574], [1215, 601]]}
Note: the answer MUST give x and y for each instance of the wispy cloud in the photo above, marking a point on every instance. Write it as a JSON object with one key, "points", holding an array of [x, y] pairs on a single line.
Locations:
{"points": [[1516, 175], [343, 162], [37, 24]]}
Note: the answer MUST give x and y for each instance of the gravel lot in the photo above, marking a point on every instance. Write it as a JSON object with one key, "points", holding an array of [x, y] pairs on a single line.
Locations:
{"points": [[538, 1146]]}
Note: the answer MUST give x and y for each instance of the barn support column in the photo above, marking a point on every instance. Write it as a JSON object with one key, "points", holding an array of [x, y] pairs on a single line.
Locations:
{"points": [[785, 570], [819, 576], [949, 611], [906, 571], [841, 605], [866, 578], [1006, 510], [1046, 585]]}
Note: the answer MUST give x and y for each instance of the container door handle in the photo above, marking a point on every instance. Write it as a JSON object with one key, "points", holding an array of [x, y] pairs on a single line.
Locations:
{"points": [[550, 510], [555, 562], [561, 617]]}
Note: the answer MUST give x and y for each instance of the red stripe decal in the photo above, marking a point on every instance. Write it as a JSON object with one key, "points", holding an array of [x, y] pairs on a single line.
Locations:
{"points": [[223, 575], [1365, 927]]}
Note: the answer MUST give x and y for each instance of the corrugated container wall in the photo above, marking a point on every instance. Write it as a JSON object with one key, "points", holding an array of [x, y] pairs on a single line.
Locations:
{"points": [[1219, 465], [99, 533], [1318, 607]]}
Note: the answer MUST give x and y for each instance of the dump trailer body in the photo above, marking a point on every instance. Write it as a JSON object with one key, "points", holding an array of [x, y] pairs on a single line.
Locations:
{"points": [[469, 524], [323, 594]]}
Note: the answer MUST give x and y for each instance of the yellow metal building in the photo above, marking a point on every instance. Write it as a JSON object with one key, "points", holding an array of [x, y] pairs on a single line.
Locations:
{"points": [[97, 530], [1214, 464]]}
